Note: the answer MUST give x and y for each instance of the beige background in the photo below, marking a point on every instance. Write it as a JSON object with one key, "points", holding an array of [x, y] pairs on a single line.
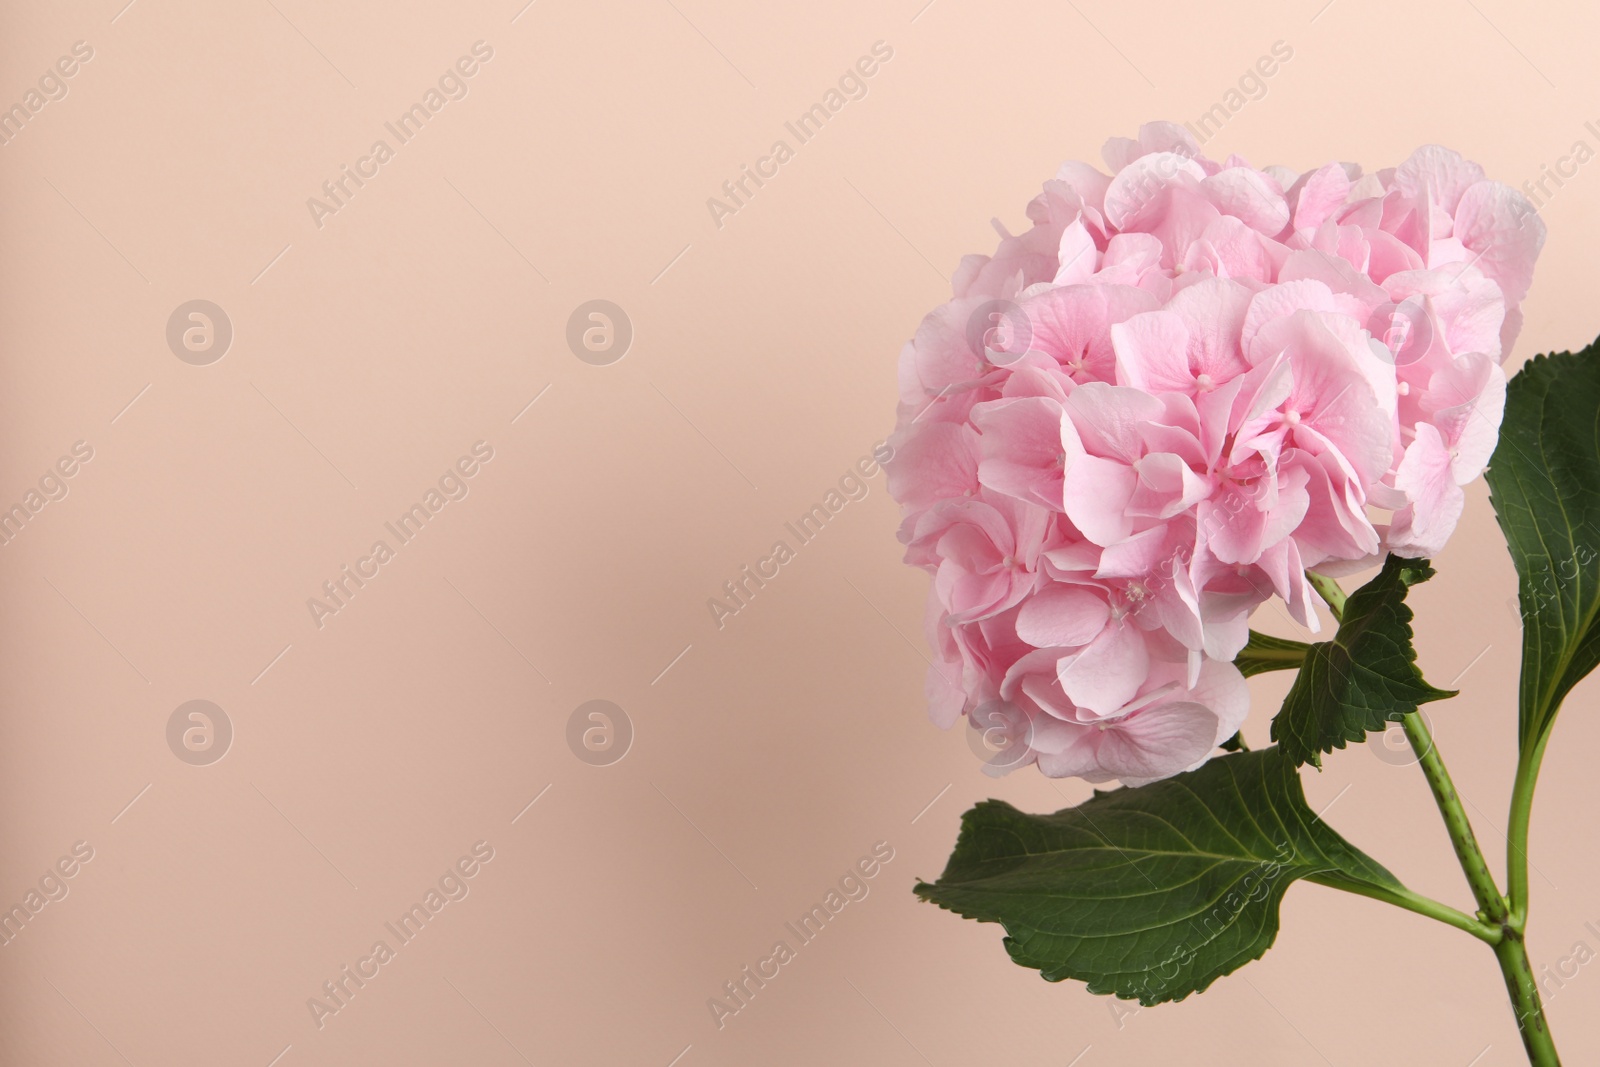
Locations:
{"points": [[370, 353]]}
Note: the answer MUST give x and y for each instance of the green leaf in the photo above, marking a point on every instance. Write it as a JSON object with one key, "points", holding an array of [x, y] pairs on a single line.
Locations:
{"points": [[1150, 893], [1363, 679], [1266, 653], [1544, 482]]}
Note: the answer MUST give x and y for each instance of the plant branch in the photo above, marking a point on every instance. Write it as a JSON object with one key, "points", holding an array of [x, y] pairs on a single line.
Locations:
{"points": [[1491, 905], [1524, 989], [1517, 834], [1508, 916], [1418, 903]]}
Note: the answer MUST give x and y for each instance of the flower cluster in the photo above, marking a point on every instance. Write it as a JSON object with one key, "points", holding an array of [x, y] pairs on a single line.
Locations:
{"points": [[1185, 385]]}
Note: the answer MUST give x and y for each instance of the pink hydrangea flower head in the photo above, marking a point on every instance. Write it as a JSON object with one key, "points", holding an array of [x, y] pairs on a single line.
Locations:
{"points": [[1185, 384]]}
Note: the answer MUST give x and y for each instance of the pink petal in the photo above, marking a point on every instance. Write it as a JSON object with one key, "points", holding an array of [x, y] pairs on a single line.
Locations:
{"points": [[1466, 401], [1156, 743], [1152, 352], [1108, 673], [935, 461], [1076, 254], [1250, 196], [1109, 418], [1500, 228], [1136, 191], [1439, 172], [1095, 494], [1022, 448], [1062, 616], [1425, 476], [1318, 195]]}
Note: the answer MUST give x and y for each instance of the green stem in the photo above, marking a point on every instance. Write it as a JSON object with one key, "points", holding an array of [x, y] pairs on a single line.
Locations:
{"points": [[1405, 898], [1294, 656], [1328, 589], [1509, 916], [1501, 919], [1524, 989], [1517, 835], [1512, 952], [1491, 905]]}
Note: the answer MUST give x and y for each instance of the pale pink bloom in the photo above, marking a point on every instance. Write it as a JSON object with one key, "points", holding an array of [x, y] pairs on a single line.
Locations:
{"points": [[1190, 346], [1073, 325], [1023, 448], [1186, 383], [1421, 527], [1163, 727], [984, 552]]}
